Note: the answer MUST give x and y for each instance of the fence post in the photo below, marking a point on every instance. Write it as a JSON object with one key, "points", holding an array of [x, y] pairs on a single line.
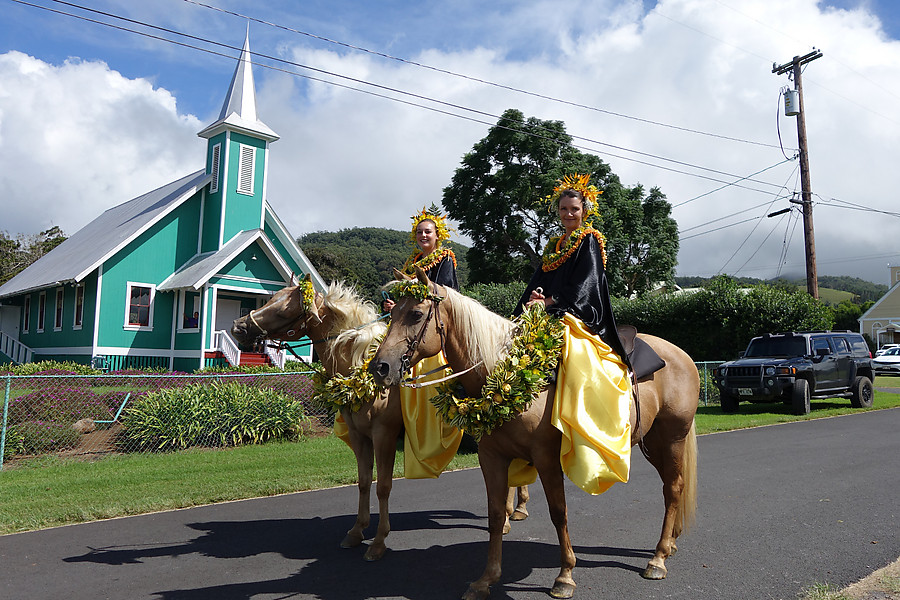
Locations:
{"points": [[5, 412]]}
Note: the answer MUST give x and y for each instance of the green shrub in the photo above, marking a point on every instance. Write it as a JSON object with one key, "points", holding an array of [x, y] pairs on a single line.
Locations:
{"points": [[51, 367], [211, 415], [500, 298], [717, 322], [40, 437]]}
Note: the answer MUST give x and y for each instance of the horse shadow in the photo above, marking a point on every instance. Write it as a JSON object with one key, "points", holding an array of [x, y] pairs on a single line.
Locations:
{"points": [[328, 572]]}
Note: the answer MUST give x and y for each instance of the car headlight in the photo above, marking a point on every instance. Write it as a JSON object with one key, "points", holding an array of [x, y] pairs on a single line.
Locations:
{"points": [[770, 371]]}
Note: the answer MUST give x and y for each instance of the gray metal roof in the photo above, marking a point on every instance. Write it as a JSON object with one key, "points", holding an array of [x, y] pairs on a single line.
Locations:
{"points": [[196, 272], [86, 250]]}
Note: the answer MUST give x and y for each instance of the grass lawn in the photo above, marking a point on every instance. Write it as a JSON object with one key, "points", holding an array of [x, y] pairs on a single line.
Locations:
{"points": [[50, 491]]}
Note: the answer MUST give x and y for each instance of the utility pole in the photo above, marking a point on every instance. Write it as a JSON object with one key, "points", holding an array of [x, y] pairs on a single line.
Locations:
{"points": [[812, 280]]}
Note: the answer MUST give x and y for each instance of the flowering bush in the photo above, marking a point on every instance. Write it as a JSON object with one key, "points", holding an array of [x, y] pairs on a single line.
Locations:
{"points": [[211, 415]]}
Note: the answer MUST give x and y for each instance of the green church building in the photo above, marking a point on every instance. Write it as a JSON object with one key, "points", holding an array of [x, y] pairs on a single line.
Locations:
{"points": [[158, 280]]}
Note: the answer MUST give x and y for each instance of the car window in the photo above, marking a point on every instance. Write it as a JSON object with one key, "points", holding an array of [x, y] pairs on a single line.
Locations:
{"points": [[776, 346], [841, 345], [820, 343], [893, 351]]}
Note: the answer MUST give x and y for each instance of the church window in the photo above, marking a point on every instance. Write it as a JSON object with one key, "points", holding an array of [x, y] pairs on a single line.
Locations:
{"points": [[140, 306]]}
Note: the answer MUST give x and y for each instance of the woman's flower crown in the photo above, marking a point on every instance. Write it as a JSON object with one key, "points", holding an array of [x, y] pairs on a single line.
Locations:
{"points": [[579, 183], [439, 220]]}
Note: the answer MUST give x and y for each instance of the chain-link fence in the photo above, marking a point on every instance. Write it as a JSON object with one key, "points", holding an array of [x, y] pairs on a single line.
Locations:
{"points": [[709, 393], [124, 412], [93, 415]]}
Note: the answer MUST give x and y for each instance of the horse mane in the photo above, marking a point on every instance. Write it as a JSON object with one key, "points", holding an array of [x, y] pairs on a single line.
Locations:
{"points": [[484, 333], [349, 312]]}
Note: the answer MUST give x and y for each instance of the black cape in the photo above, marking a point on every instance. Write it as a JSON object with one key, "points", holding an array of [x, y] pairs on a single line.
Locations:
{"points": [[444, 273], [580, 288]]}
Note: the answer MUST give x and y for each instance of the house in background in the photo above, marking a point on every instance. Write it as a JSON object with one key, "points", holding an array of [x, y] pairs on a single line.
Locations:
{"points": [[158, 280], [882, 321]]}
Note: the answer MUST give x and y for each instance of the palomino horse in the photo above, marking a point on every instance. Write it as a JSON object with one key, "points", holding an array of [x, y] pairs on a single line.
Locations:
{"points": [[343, 327], [469, 334]]}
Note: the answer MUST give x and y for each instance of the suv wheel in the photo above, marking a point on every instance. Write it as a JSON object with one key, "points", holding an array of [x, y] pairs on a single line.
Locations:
{"points": [[861, 393], [800, 397], [729, 403]]}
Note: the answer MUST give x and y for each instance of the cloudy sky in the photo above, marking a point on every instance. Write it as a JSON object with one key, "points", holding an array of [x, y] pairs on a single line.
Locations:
{"points": [[376, 103]]}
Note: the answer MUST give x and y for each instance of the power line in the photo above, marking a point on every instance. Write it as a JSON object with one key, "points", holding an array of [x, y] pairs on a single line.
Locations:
{"points": [[385, 88], [475, 79]]}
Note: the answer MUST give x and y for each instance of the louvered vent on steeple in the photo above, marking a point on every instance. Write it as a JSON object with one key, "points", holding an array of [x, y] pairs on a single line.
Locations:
{"points": [[245, 171], [216, 155]]}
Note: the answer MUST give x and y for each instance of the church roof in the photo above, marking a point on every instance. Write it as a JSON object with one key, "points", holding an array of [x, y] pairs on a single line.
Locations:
{"points": [[196, 272], [86, 250], [239, 110]]}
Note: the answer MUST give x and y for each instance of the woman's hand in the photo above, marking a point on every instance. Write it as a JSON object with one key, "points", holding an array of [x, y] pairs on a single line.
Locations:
{"points": [[387, 305], [537, 295]]}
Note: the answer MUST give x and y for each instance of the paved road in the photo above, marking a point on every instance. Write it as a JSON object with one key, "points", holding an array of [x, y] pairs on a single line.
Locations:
{"points": [[781, 508]]}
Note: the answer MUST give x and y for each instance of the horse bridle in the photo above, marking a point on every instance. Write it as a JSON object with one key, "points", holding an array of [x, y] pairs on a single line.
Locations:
{"points": [[413, 343]]}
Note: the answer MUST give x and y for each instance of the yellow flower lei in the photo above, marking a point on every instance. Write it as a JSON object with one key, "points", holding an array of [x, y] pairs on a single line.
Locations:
{"points": [[346, 391], [554, 256], [513, 384], [412, 287], [308, 293], [429, 261]]}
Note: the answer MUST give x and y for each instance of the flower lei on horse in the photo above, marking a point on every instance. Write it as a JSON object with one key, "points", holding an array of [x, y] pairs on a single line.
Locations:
{"points": [[439, 253]]}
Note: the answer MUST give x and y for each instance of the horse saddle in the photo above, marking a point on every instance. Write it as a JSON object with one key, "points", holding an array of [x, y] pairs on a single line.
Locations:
{"points": [[644, 359]]}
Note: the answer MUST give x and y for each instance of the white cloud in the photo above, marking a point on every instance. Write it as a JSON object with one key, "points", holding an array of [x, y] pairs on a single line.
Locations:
{"points": [[81, 138], [78, 138]]}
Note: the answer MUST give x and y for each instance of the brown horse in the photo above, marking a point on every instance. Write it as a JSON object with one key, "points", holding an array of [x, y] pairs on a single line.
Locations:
{"points": [[343, 327], [469, 334]]}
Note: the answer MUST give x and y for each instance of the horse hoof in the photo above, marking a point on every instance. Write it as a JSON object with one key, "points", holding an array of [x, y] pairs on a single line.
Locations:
{"points": [[351, 541], [375, 553], [507, 527], [520, 514], [562, 590], [654, 572]]}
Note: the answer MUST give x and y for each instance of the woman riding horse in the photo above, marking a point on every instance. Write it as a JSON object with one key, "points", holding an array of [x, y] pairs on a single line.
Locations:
{"points": [[593, 378], [498, 375], [429, 443]]}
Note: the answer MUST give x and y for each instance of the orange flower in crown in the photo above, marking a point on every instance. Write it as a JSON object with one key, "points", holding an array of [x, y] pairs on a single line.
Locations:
{"points": [[582, 184], [439, 220]]}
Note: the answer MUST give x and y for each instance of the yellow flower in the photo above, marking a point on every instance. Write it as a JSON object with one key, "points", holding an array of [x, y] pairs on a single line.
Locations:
{"points": [[498, 398]]}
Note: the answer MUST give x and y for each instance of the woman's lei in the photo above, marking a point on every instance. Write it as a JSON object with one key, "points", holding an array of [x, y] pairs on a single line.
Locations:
{"points": [[426, 262], [514, 383], [554, 256], [346, 391]]}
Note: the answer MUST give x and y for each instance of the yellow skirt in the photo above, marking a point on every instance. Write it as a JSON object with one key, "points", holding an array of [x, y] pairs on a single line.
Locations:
{"points": [[591, 409], [429, 443]]}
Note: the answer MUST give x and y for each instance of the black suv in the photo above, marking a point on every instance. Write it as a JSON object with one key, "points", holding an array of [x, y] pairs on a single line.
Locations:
{"points": [[792, 367]]}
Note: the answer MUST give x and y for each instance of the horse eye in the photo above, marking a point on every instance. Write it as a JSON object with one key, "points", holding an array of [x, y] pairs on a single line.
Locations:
{"points": [[417, 315]]}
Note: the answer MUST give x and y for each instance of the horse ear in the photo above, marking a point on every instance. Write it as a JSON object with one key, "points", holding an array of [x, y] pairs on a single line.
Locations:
{"points": [[421, 276], [308, 278], [400, 275]]}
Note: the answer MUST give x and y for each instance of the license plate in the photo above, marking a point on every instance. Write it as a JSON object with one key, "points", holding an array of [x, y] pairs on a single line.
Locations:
{"points": [[745, 391]]}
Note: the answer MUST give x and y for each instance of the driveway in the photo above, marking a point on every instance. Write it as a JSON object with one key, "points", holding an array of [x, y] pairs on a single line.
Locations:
{"points": [[781, 508]]}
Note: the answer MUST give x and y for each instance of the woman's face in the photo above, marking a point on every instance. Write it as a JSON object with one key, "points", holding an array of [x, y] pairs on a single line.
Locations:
{"points": [[570, 213], [426, 236]]}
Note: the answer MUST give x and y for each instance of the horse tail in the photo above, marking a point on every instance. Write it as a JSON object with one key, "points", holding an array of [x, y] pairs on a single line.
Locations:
{"points": [[687, 508]]}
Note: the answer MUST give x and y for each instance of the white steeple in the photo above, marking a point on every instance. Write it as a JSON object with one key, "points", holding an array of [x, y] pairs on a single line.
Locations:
{"points": [[239, 110]]}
